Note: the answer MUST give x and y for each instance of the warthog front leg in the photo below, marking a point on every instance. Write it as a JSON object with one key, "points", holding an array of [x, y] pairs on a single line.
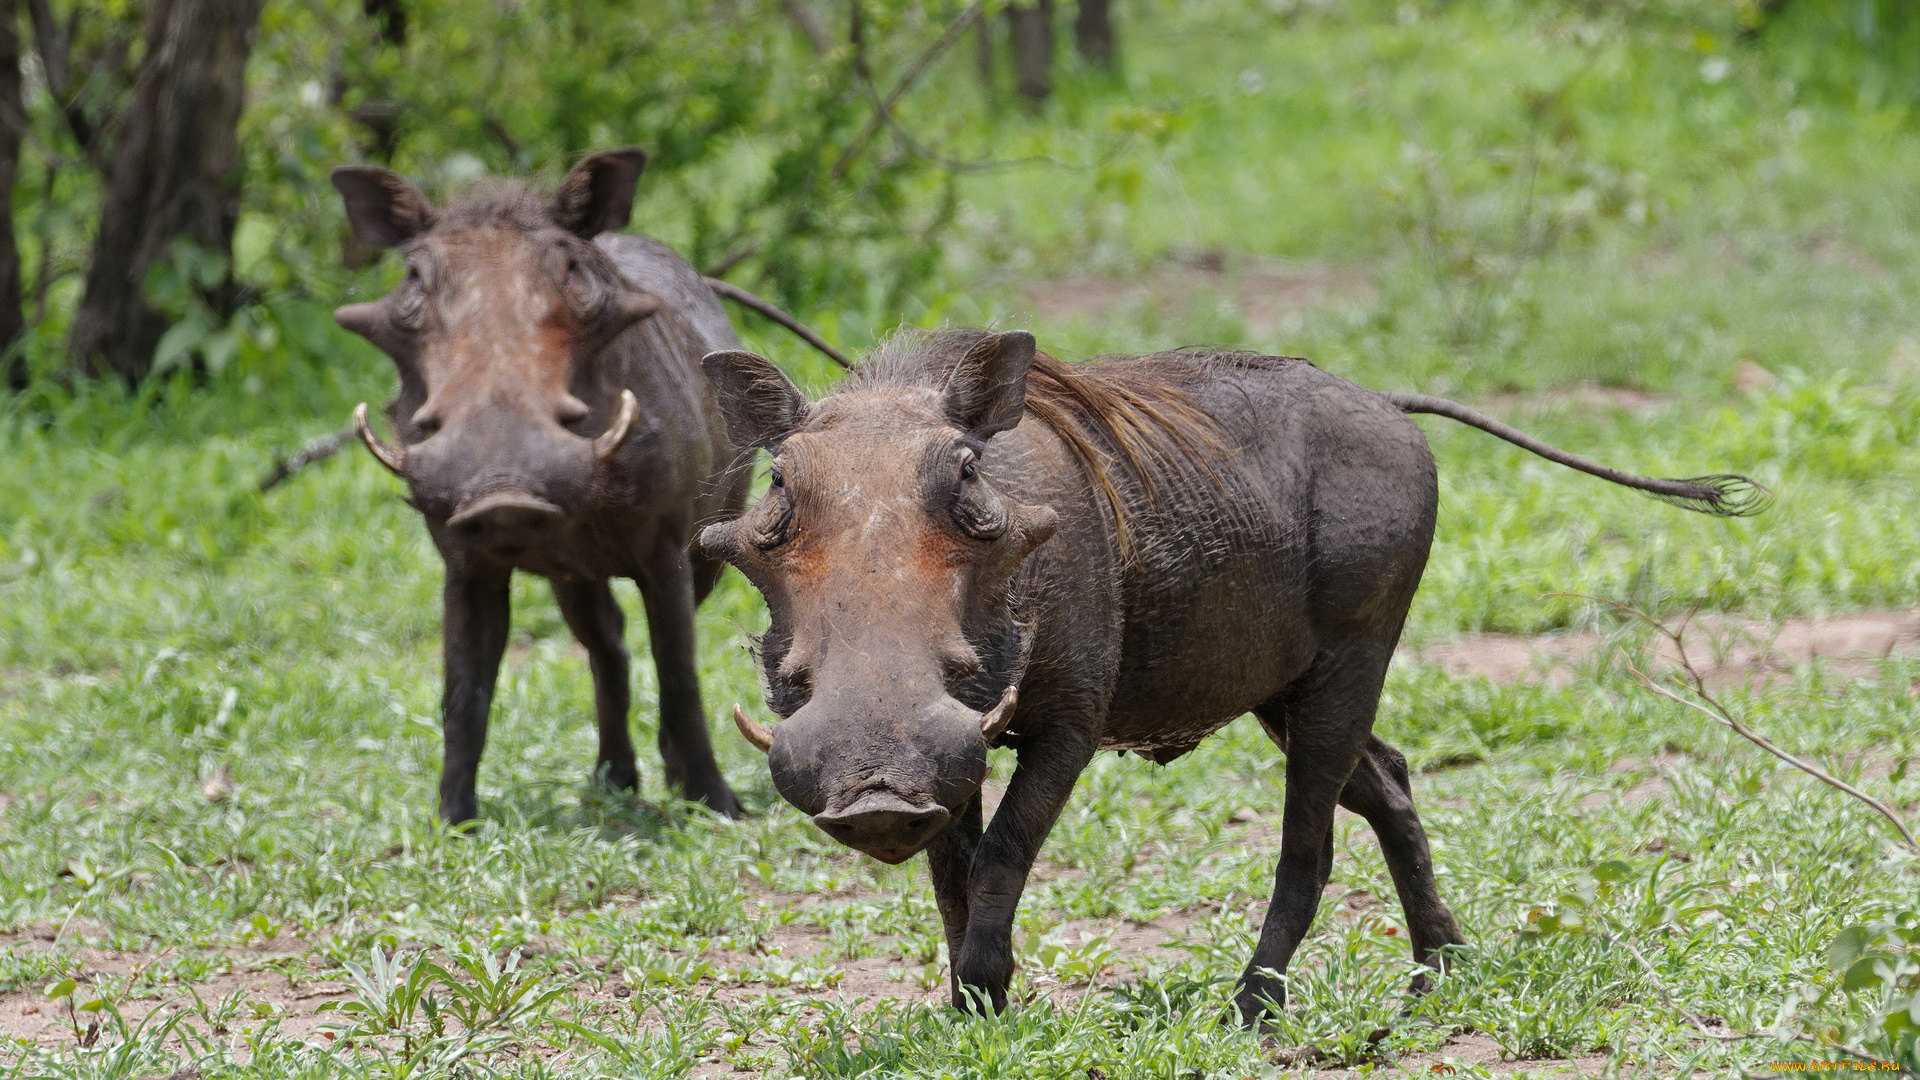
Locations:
{"points": [[950, 863], [473, 637], [1050, 762]]}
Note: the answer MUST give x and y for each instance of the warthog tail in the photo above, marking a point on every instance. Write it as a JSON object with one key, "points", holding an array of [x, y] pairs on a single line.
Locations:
{"points": [[1724, 496]]}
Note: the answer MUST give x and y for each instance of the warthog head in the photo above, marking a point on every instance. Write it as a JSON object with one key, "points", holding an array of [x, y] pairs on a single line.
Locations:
{"points": [[504, 425], [885, 553]]}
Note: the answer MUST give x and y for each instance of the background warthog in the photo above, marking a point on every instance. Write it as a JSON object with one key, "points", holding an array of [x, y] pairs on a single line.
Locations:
{"points": [[551, 419], [1183, 537]]}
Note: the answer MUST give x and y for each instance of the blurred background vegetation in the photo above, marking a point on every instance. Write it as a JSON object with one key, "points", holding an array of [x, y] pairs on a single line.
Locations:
{"points": [[1674, 234], [1517, 191]]}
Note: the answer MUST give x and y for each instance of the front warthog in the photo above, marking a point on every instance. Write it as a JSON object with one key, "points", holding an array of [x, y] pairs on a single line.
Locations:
{"points": [[1163, 544], [552, 418]]}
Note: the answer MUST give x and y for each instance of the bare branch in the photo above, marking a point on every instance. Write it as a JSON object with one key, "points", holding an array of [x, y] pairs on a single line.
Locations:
{"points": [[1706, 704], [504, 137], [808, 23], [753, 303], [1716, 712], [732, 259], [56, 63], [912, 74], [317, 449]]}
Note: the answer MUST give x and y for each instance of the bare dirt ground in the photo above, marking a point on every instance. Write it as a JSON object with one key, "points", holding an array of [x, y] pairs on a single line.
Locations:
{"points": [[1726, 650], [27, 1015], [1271, 295]]}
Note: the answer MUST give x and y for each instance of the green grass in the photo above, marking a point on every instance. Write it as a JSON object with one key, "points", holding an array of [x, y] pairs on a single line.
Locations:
{"points": [[162, 625]]}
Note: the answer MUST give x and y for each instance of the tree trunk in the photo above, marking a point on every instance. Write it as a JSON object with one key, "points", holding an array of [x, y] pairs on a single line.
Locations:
{"points": [[1093, 32], [173, 174], [391, 17], [13, 118], [1030, 23]]}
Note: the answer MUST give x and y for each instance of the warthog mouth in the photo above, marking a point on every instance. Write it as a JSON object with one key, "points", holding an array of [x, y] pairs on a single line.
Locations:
{"points": [[886, 826], [507, 522]]}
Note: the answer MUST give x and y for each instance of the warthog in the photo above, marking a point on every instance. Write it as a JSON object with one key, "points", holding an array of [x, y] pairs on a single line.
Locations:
{"points": [[1179, 539], [552, 419]]}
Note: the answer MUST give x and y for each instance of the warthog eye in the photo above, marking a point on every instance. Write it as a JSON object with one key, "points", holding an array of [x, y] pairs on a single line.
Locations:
{"points": [[773, 519], [585, 291], [977, 511], [410, 298]]}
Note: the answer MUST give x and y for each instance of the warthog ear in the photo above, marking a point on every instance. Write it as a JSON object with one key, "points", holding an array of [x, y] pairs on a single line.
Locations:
{"points": [[383, 208], [597, 196], [987, 392], [761, 404]]}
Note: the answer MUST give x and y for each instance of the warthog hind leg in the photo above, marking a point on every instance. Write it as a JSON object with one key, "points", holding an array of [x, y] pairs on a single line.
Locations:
{"points": [[685, 746], [594, 616], [1324, 720], [1380, 791]]}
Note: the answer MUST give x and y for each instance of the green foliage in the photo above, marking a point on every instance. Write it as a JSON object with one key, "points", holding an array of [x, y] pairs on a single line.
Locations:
{"points": [[760, 153], [1878, 964], [1518, 197]]}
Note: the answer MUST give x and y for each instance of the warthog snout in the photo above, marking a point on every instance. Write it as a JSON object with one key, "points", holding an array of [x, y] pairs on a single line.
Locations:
{"points": [[884, 825], [507, 522]]}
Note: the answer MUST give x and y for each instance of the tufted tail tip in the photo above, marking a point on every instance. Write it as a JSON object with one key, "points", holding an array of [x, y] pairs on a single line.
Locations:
{"points": [[1725, 495]]}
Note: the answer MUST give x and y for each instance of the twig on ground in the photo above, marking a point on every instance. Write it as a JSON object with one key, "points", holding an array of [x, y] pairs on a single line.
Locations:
{"points": [[1666, 995], [1705, 703], [1713, 710], [317, 449]]}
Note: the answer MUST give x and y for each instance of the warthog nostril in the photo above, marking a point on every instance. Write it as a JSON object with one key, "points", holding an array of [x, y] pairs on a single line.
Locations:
{"points": [[884, 825], [507, 522]]}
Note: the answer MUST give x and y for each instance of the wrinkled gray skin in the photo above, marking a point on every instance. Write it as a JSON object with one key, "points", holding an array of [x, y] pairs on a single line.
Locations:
{"points": [[518, 326], [916, 524]]}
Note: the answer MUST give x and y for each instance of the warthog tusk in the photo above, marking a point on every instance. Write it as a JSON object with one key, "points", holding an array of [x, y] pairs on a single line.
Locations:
{"points": [[610, 440], [394, 460], [755, 731], [995, 722]]}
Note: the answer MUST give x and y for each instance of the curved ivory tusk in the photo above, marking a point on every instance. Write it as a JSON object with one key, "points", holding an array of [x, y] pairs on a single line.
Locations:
{"points": [[755, 731], [995, 722], [610, 440], [394, 460]]}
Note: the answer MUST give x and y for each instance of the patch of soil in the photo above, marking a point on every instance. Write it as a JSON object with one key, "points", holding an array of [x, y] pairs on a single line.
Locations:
{"points": [[29, 1015], [1271, 295], [1589, 398], [1508, 658], [1727, 650], [1472, 1048]]}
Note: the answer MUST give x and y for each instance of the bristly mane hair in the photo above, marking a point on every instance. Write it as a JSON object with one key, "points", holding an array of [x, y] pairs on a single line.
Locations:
{"points": [[1134, 411], [505, 201]]}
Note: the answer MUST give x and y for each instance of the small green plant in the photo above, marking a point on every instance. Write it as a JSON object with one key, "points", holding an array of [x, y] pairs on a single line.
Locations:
{"points": [[1080, 959], [495, 993], [390, 992], [66, 993], [1878, 968]]}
